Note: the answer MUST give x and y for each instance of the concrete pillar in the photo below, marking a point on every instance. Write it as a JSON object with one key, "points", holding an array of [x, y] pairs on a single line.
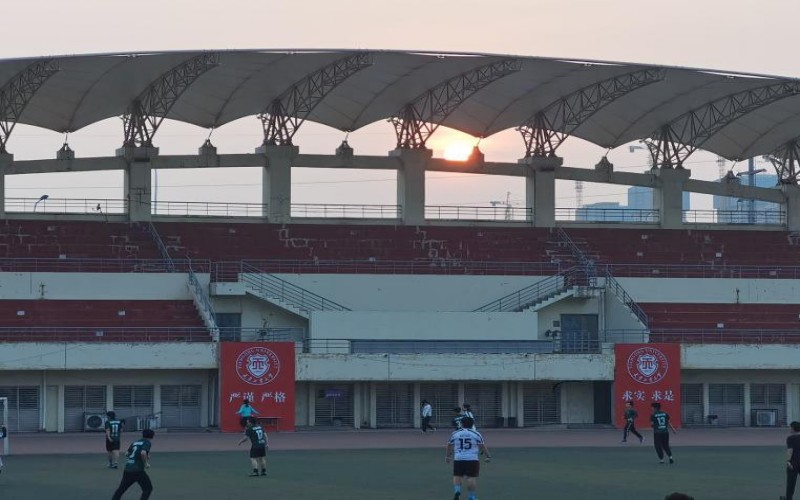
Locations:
{"points": [[747, 406], [109, 397], [373, 406], [312, 404], [276, 189], [357, 404], [668, 195], [520, 404], [61, 394], [6, 160], [138, 181], [540, 189], [417, 402], [157, 401], [411, 184], [706, 403], [792, 206]]}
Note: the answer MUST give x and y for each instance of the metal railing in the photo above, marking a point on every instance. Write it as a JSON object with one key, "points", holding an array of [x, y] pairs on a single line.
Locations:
{"points": [[228, 270], [537, 292], [492, 213], [739, 217], [162, 250], [702, 271], [207, 209], [9, 264], [624, 215], [271, 286], [104, 334], [203, 304], [99, 206], [613, 285], [725, 336], [345, 211], [610, 282]]}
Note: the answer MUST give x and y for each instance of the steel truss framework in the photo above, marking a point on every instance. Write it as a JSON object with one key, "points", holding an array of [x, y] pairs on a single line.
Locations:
{"points": [[419, 119], [786, 160], [285, 114], [147, 112], [674, 142], [17, 93], [547, 129]]}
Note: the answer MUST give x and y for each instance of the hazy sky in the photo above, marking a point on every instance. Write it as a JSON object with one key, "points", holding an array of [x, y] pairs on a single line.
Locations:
{"points": [[741, 35]]}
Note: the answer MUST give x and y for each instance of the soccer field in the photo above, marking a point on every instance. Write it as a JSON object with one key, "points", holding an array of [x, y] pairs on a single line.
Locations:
{"points": [[746, 473]]}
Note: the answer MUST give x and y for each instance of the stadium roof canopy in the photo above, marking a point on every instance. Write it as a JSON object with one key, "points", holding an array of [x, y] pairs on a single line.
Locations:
{"points": [[754, 114]]}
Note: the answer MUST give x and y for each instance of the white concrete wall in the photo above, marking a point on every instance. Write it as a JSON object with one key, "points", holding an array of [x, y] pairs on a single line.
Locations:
{"points": [[258, 313], [740, 357], [96, 286], [381, 292], [449, 367], [685, 290], [423, 325], [98, 356]]}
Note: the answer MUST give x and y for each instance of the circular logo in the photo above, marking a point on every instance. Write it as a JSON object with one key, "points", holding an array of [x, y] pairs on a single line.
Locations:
{"points": [[258, 366], [647, 365]]}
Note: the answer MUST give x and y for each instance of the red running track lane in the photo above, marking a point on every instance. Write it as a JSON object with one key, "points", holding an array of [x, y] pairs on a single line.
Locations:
{"points": [[49, 443]]}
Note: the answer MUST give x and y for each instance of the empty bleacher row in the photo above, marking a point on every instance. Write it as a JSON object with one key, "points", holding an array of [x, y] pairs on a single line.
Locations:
{"points": [[75, 240], [643, 252], [101, 320], [715, 323]]}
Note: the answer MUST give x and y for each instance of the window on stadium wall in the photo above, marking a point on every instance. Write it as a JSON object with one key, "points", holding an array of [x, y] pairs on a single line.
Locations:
{"points": [[443, 398], [394, 405], [486, 401], [692, 405], [541, 404], [23, 407], [768, 398], [180, 406], [132, 403], [334, 405], [579, 333], [726, 401], [81, 401]]}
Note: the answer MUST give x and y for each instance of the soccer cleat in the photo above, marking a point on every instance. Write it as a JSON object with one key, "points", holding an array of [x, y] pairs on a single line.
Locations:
{"points": [[671, 460], [457, 495], [254, 474], [661, 462], [263, 473]]}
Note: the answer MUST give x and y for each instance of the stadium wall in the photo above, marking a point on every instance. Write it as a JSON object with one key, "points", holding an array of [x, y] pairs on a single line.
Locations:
{"points": [[96, 286]]}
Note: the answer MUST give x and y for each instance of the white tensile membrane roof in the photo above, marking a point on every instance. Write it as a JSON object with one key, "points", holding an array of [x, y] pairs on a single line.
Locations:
{"points": [[91, 88]]}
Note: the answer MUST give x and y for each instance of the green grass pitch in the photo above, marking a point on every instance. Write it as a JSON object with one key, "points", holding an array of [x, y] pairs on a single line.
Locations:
{"points": [[751, 473]]}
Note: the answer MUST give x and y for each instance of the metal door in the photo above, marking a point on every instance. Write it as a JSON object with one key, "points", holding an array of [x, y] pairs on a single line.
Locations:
{"points": [[443, 399], [180, 406], [334, 405], [726, 401], [133, 402], [692, 404], [23, 407], [82, 400], [541, 403], [486, 402], [394, 405]]}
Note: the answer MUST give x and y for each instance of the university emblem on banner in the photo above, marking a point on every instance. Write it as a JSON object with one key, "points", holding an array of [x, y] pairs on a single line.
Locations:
{"points": [[647, 365], [258, 366]]}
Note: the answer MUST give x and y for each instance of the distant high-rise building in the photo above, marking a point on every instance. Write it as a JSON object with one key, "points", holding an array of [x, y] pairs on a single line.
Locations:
{"points": [[743, 211]]}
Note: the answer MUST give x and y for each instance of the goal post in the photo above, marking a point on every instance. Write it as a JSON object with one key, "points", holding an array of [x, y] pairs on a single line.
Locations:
{"points": [[4, 425]]}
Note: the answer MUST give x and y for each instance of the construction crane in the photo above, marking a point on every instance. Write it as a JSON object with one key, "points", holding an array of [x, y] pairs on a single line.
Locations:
{"points": [[509, 210]]}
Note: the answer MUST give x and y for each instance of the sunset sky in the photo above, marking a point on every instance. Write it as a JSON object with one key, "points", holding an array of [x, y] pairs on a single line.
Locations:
{"points": [[735, 35]]}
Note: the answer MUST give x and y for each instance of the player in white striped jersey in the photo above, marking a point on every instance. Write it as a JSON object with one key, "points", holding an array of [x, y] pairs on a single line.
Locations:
{"points": [[465, 448]]}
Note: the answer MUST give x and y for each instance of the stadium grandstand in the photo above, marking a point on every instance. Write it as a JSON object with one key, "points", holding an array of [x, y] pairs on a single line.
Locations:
{"points": [[126, 304]]}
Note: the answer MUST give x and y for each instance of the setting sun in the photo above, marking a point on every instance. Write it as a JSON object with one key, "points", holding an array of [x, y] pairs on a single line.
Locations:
{"points": [[458, 151]]}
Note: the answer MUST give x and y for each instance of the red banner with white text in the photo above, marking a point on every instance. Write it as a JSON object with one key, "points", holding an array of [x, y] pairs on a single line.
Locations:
{"points": [[646, 374], [263, 373]]}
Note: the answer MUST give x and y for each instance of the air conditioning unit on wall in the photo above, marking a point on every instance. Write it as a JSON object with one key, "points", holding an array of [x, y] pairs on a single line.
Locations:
{"points": [[94, 422], [765, 418]]}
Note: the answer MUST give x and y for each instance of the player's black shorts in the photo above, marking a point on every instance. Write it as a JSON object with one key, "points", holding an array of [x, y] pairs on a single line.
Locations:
{"points": [[469, 468], [258, 451], [112, 445]]}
